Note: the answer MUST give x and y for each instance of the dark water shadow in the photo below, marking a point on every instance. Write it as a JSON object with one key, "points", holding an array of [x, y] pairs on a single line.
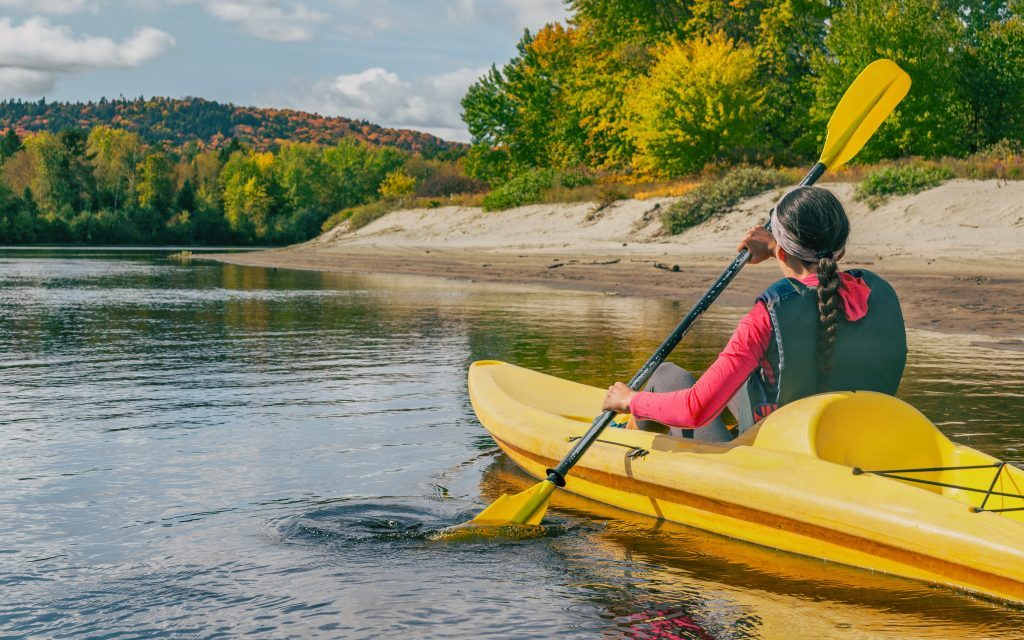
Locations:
{"points": [[398, 521]]}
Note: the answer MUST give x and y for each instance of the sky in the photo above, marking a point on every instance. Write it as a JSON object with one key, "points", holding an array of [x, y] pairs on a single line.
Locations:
{"points": [[398, 63]]}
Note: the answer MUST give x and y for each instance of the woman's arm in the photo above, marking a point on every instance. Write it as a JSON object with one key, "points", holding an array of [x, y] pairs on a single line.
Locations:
{"points": [[697, 406]]}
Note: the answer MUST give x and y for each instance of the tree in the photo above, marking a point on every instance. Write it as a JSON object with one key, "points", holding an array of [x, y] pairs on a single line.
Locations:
{"points": [[789, 36], [648, 22], [157, 185], [700, 103], [488, 164], [602, 72], [301, 172], [922, 36], [397, 184], [116, 156], [246, 206], [10, 144], [523, 108], [354, 173], [186, 198], [993, 80], [51, 185]]}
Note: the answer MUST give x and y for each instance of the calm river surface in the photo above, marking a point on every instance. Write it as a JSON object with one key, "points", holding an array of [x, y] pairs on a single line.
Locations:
{"points": [[208, 451]]}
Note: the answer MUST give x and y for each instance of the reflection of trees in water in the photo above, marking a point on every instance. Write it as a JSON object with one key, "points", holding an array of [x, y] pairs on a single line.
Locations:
{"points": [[629, 563], [592, 339]]}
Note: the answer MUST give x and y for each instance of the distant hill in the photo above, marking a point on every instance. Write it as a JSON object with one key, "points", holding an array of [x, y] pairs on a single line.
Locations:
{"points": [[174, 122]]}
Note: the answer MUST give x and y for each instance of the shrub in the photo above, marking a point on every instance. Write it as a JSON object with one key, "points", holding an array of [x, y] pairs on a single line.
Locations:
{"points": [[397, 184], [526, 188], [442, 185], [575, 179], [364, 214], [714, 198], [902, 179], [335, 220]]}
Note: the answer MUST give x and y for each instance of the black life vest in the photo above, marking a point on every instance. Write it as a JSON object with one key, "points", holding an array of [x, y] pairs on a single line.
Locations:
{"points": [[869, 354]]}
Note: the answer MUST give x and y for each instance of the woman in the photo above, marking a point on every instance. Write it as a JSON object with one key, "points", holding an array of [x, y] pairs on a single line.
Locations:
{"points": [[815, 330]]}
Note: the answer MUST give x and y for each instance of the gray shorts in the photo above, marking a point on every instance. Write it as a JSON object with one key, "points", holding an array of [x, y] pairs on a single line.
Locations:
{"points": [[671, 377]]}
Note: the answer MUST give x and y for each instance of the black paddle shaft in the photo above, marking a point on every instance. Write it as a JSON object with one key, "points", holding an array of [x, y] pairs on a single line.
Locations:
{"points": [[557, 475]]}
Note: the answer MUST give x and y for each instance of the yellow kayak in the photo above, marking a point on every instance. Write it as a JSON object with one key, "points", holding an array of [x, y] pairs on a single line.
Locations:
{"points": [[859, 478]]}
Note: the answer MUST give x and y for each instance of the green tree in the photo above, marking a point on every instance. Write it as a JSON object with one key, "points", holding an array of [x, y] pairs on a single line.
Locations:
{"points": [[648, 22], [700, 103], [489, 164], [993, 80], [157, 185], [523, 108], [52, 184], [10, 144], [603, 71], [186, 198], [302, 174], [922, 36], [116, 156], [354, 172], [247, 206]]}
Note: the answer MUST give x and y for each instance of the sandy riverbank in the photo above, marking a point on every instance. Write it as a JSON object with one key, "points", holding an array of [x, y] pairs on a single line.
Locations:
{"points": [[954, 253]]}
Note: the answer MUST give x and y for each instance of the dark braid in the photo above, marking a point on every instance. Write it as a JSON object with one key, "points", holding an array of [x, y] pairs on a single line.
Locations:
{"points": [[816, 219], [828, 316]]}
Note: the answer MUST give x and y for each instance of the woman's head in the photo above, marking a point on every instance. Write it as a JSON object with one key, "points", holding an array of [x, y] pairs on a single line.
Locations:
{"points": [[810, 225]]}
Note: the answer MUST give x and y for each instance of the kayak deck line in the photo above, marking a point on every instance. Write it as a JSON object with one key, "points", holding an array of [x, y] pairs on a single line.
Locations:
{"points": [[787, 483], [634, 452], [998, 466], [936, 570]]}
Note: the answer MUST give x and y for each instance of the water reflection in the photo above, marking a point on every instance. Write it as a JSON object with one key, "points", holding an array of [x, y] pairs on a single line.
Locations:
{"points": [[209, 450]]}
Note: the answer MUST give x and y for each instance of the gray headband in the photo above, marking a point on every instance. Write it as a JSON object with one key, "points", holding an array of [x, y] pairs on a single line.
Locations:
{"points": [[791, 246]]}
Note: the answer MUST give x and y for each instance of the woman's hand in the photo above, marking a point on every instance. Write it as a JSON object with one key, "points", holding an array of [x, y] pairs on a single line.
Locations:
{"points": [[618, 397], [760, 243]]}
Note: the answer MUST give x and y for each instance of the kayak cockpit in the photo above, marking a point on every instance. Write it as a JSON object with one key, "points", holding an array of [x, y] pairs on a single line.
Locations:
{"points": [[873, 433]]}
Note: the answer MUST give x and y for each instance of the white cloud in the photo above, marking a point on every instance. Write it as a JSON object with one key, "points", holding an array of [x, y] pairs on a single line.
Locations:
{"points": [[24, 82], [38, 45], [382, 97], [34, 52], [266, 19], [56, 7]]}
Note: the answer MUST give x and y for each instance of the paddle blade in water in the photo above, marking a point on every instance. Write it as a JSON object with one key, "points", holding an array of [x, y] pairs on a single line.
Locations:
{"points": [[865, 105], [527, 507]]}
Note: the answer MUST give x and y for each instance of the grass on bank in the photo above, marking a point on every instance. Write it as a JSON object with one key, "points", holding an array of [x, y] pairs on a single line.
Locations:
{"points": [[704, 197], [715, 197], [904, 179]]}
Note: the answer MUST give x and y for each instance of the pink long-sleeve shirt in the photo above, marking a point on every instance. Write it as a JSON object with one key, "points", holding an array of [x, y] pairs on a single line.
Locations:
{"points": [[745, 352]]}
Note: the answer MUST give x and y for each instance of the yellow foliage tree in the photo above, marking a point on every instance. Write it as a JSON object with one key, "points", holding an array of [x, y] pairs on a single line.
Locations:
{"points": [[246, 206], [699, 103], [397, 184]]}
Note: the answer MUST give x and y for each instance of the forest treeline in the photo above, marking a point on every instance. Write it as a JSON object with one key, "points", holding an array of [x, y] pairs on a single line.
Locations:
{"points": [[173, 122], [667, 87], [108, 186]]}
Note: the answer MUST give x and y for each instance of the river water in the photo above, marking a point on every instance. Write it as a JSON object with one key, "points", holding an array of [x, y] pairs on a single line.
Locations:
{"points": [[202, 450]]}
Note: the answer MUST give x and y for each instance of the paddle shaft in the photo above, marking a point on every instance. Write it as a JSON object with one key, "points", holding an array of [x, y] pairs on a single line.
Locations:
{"points": [[557, 475]]}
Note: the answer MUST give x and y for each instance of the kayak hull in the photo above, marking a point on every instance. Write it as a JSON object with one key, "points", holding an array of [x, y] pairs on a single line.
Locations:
{"points": [[787, 484]]}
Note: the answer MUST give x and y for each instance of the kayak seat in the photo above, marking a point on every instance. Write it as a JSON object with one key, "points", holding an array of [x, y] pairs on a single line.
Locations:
{"points": [[863, 429]]}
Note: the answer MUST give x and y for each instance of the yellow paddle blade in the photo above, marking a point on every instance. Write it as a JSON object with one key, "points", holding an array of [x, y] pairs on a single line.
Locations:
{"points": [[865, 105], [527, 507]]}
